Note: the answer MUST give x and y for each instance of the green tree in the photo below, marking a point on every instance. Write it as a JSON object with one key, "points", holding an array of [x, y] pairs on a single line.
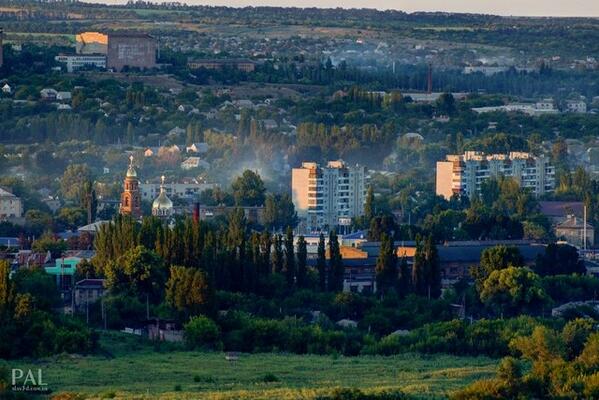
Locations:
{"points": [[426, 273], [369, 205], [202, 332], [559, 259], [248, 189], [321, 263], [404, 285], [302, 255], [48, 242], [139, 272], [73, 181], [493, 259], [512, 290], [386, 266], [277, 254], [89, 201], [336, 269], [188, 291], [289, 264]]}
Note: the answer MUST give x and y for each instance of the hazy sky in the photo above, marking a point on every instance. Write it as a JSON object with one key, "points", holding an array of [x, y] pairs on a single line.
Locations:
{"points": [[587, 8]]}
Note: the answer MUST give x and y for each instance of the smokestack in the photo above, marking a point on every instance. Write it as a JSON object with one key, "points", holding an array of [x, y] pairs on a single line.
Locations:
{"points": [[430, 78], [196, 212]]}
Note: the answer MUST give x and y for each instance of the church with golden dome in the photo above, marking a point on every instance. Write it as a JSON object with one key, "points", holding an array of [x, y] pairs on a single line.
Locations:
{"points": [[162, 207], [131, 196]]}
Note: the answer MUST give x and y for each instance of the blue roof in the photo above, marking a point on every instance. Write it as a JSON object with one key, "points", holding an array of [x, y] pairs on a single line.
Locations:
{"points": [[9, 241]]}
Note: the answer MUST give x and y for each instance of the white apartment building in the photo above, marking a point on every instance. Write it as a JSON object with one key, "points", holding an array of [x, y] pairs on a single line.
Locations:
{"points": [[189, 190], [78, 61], [464, 174], [11, 207], [328, 196], [576, 106]]}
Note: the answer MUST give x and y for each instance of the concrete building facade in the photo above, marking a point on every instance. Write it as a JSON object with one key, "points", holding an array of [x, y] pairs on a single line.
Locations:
{"points": [[74, 62], [328, 196], [574, 231], [11, 207], [464, 174], [132, 50]]}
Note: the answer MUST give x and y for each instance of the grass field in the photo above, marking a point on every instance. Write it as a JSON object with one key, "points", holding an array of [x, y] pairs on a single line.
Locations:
{"points": [[139, 372]]}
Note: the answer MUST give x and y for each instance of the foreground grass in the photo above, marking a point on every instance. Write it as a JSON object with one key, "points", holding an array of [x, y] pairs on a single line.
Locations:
{"points": [[137, 371]]}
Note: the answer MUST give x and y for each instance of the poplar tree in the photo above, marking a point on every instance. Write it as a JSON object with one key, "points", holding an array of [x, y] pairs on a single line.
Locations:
{"points": [[277, 255], [289, 263], [386, 266], [321, 264], [335, 264], [302, 255]]}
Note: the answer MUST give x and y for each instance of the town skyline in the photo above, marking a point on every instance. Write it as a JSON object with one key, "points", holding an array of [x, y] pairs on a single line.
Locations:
{"points": [[530, 8]]}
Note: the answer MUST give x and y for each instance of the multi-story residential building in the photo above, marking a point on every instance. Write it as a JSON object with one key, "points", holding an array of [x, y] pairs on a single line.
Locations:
{"points": [[576, 106], [77, 61], [11, 207], [464, 174], [328, 196]]}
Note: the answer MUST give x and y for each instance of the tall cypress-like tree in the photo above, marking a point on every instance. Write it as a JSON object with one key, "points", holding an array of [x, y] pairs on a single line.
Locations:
{"points": [[386, 266], [369, 206], [89, 201], [302, 255], [419, 269], [321, 264], [426, 272], [335, 264], [265, 248], [289, 265], [405, 278], [277, 254], [434, 268]]}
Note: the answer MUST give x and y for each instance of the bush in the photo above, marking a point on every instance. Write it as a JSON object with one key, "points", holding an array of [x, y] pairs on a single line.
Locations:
{"points": [[269, 378], [489, 337], [356, 394], [202, 332]]}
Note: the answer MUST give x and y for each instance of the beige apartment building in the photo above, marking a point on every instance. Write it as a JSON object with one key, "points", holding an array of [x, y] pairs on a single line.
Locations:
{"points": [[464, 173], [328, 196], [11, 207]]}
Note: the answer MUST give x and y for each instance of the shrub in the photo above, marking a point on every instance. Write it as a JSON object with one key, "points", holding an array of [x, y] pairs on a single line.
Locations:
{"points": [[202, 332], [269, 378]]}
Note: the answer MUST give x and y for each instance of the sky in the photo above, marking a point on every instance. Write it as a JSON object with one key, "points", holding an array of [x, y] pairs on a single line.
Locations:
{"points": [[585, 8]]}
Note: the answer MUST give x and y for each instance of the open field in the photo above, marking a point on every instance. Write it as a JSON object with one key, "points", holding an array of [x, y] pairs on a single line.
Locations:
{"points": [[137, 371]]}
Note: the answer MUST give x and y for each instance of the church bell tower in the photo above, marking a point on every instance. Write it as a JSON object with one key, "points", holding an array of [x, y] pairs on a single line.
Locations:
{"points": [[131, 197]]}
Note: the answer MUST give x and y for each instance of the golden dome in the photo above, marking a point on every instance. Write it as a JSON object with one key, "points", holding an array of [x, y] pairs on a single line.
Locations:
{"points": [[131, 172], [162, 202]]}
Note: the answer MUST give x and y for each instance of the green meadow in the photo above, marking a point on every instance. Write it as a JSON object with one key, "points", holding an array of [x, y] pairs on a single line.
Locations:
{"points": [[128, 368]]}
